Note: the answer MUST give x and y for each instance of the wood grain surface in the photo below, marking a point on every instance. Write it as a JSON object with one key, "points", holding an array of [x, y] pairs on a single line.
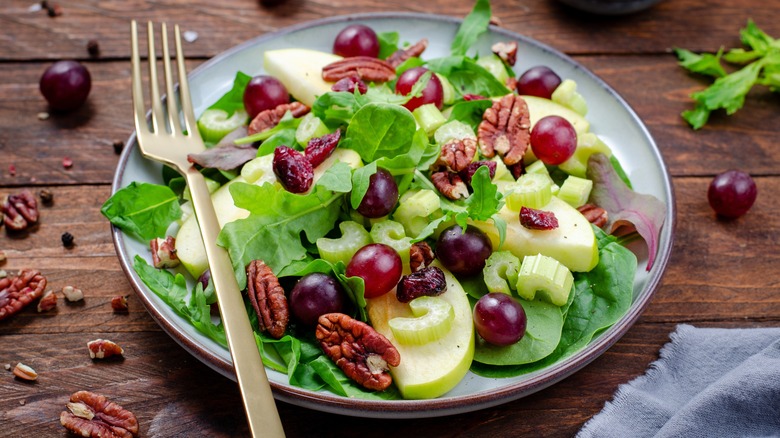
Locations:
{"points": [[721, 274]]}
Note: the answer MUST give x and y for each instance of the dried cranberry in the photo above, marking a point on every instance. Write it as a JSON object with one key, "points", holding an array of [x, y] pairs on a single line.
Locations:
{"points": [[468, 173], [294, 171], [320, 148], [428, 281], [534, 219], [470, 97], [517, 169], [349, 84]]}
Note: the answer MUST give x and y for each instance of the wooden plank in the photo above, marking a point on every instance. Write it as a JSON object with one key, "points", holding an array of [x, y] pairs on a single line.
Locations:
{"points": [[653, 85], [699, 26]]}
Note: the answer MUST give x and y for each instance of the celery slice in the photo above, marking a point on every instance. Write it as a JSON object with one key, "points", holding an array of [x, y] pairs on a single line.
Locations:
{"points": [[454, 130], [545, 274], [539, 167], [531, 190], [257, 168], [214, 124], [392, 234], [429, 118], [416, 209], [353, 237], [500, 272], [575, 191], [566, 94], [311, 127], [432, 320]]}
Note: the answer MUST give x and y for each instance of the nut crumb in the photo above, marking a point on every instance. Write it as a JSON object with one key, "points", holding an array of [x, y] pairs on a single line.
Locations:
{"points": [[72, 294], [67, 162], [53, 9], [21, 402], [3, 257], [12, 169], [119, 304], [24, 372], [47, 302], [190, 36], [3, 274], [7, 367], [103, 349], [93, 48], [47, 197], [43, 115], [118, 146]]}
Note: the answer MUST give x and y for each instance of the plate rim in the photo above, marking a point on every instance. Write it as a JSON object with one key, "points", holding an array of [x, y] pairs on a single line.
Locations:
{"points": [[332, 403]]}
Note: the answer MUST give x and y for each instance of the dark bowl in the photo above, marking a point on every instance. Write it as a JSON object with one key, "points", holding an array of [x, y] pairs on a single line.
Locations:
{"points": [[610, 7]]}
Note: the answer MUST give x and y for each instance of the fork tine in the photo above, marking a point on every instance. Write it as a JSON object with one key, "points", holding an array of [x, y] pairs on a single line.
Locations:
{"points": [[184, 87], [138, 94], [157, 115], [173, 111]]}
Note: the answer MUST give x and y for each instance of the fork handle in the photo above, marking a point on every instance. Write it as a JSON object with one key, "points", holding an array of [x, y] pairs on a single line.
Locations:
{"points": [[252, 380]]}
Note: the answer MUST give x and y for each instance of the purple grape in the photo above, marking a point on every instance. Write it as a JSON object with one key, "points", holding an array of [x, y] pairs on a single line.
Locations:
{"points": [[65, 85], [432, 93], [356, 40], [538, 81], [553, 140], [499, 319], [316, 294], [732, 193], [264, 92], [381, 196], [463, 253], [379, 266]]}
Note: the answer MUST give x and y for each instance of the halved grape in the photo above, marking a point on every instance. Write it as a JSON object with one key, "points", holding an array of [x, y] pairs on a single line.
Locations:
{"points": [[356, 40], [499, 319]]}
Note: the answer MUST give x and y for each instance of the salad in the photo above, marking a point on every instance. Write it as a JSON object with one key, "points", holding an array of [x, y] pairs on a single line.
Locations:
{"points": [[436, 215]]}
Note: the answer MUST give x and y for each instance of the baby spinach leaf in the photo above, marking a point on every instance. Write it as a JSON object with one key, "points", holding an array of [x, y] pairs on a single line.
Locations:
{"points": [[388, 44], [470, 112], [467, 76], [172, 290], [361, 179], [381, 130], [234, 99], [475, 24], [142, 210]]}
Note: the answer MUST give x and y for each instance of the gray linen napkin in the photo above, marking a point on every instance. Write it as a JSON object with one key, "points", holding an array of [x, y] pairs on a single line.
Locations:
{"points": [[708, 382]]}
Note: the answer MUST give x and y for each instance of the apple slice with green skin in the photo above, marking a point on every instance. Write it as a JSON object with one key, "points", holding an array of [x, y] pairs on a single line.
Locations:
{"points": [[573, 243], [432, 369], [189, 244], [300, 70], [539, 107]]}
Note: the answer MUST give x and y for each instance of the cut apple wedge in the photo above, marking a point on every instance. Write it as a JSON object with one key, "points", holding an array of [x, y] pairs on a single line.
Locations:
{"points": [[189, 245], [300, 70], [432, 369], [573, 243]]}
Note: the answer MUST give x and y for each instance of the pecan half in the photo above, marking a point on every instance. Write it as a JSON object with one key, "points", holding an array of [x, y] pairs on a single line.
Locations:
{"points": [[507, 51], [360, 351], [506, 129], [401, 55], [594, 214], [268, 299], [428, 281], [93, 415], [269, 118], [450, 185], [420, 256], [20, 210], [103, 349], [365, 67], [164, 252], [17, 292], [456, 154]]}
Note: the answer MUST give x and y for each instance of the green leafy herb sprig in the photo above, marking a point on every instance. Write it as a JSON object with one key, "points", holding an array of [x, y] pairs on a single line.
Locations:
{"points": [[761, 63]]}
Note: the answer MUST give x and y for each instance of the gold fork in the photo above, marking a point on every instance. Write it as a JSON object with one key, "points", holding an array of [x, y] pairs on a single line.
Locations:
{"points": [[169, 142]]}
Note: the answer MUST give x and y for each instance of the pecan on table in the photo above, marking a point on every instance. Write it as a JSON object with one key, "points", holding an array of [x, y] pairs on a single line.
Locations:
{"points": [[456, 154], [360, 351], [594, 214], [420, 256], [268, 299], [507, 51], [365, 67], [401, 55], [20, 210], [450, 185], [269, 118], [17, 292], [103, 349], [506, 129], [93, 415], [428, 281]]}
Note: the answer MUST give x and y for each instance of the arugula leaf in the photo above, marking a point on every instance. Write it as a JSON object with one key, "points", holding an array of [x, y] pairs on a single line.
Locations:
{"points": [[468, 77], [706, 63], [234, 99], [474, 25], [381, 130], [486, 199], [142, 210], [272, 231], [388, 44]]}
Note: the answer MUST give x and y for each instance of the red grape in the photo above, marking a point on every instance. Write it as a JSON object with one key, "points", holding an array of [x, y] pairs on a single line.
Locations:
{"points": [[432, 93], [381, 196], [379, 266], [462, 252], [356, 40], [538, 81], [264, 92], [65, 85], [499, 319], [732, 193], [553, 140], [316, 294]]}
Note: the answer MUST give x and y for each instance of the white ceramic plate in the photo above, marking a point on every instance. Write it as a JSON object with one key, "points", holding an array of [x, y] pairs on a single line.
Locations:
{"points": [[611, 118]]}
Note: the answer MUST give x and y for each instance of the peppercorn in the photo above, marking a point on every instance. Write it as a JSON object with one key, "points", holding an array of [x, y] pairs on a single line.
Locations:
{"points": [[47, 197], [118, 146], [67, 239], [93, 48]]}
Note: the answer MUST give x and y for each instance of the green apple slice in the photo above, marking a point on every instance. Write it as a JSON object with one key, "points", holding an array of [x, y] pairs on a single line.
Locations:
{"points": [[432, 369], [300, 70]]}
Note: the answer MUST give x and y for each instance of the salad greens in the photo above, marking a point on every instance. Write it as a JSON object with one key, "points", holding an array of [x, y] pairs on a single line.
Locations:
{"points": [[282, 228], [762, 67]]}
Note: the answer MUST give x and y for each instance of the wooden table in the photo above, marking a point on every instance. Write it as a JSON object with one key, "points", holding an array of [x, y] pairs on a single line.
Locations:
{"points": [[722, 273]]}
